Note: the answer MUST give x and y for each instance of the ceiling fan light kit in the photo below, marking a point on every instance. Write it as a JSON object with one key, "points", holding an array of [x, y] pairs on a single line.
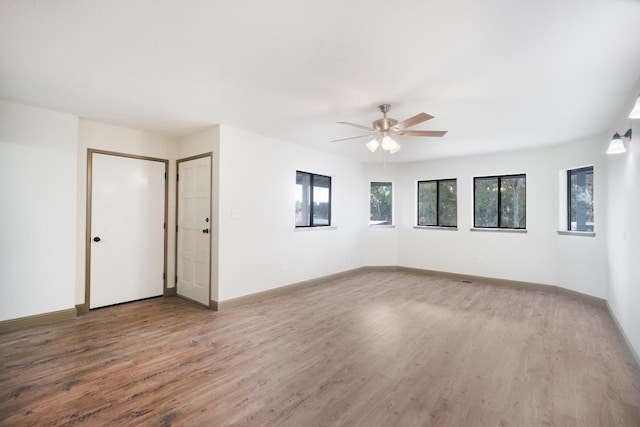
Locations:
{"points": [[383, 128], [373, 145], [395, 148]]}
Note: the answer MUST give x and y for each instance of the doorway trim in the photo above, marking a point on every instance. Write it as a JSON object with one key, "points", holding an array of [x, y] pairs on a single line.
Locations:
{"points": [[212, 304], [84, 308]]}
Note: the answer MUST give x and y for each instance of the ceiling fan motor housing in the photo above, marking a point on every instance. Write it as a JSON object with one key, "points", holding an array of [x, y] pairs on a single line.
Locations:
{"points": [[384, 124]]}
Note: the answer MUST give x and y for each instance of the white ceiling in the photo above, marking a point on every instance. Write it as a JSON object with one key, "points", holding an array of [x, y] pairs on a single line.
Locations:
{"points": [[497, 74]]}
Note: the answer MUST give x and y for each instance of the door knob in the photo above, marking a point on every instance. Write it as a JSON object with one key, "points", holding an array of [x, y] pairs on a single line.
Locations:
{"points": [[206, 231], [96, 239]]}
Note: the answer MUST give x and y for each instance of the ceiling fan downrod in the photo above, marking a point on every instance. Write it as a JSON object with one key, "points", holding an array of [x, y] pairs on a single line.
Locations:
{"points": [[385, 123]]}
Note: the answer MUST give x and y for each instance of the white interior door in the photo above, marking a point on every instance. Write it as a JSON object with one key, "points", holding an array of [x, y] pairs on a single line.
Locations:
{"points": [[194, 229], [127, 229]]}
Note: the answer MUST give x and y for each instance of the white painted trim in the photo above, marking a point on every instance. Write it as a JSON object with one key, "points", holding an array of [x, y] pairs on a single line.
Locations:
{"points": [[433, 227], [576, 233], [316, 228], [500, 230]]}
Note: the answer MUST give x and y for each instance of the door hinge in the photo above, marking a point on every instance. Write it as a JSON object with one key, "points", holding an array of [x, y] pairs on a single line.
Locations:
{"points": [[164, 226], [176, 280], [177, 177], [165, 175], [176, 228], [164, 276]]}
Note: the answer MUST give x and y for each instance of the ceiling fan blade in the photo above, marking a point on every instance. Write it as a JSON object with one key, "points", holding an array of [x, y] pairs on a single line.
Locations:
{"points": [[411, 121], [356, 126], [423, 132], [353, 137]]}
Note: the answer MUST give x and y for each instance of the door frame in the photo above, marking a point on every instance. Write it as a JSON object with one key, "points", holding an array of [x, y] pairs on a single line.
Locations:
{"points": [[84, 308], [212, 305]]}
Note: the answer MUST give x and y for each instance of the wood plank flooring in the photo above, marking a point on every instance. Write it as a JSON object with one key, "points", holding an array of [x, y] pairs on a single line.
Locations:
{"points": [[374, 349]]}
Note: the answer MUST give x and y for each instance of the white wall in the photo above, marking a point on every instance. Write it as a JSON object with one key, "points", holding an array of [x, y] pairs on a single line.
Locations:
{"points": [[380, 244], [538, 256], [38, 215], [257, 251], [259, 246], [624, 229], [118, 139], [43, 155], [582, 261]]}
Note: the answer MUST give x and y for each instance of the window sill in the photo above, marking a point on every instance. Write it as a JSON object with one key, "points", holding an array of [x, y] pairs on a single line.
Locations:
{"points": [[501, 230], [317, 228], [577, 233], [382, 226], [433, 227]]}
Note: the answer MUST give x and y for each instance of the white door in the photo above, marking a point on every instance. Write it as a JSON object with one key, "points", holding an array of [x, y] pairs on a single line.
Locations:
{"points": [[194, 229], [127, 229]]}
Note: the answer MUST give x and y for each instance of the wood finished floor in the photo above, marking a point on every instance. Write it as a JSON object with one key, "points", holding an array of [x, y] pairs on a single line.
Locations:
{"points": [[376, 349]]}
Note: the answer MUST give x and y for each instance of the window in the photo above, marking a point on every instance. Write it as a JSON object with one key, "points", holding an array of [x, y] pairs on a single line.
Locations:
{"points": [[313, 200], [381, 204], [580, 199], [500, 202], [438, 203]]}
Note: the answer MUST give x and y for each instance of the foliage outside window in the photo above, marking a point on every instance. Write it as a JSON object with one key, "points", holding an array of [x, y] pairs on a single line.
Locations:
{"points": [[438, 203], [313, 200], [381, 204], [580, 199], [500, 202]]}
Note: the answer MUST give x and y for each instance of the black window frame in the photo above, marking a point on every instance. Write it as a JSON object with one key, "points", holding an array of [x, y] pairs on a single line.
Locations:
{"points": [[571, 172], [381, 183], [312, 177], [499, 226], [437, 182]]}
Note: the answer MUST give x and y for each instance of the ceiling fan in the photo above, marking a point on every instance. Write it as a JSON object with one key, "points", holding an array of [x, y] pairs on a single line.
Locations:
{"points": [[382, 130]]}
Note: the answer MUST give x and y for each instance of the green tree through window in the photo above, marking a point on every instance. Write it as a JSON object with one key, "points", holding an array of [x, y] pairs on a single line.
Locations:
{"points": [[381, 204], [438, 203], [500, 201], [580, 203]]}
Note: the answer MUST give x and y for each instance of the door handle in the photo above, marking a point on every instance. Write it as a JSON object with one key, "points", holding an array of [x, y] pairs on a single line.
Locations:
{"points": [[96, 239], [206, 231]]}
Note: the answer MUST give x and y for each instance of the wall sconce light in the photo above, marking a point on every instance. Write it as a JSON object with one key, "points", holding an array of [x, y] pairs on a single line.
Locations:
{"points": [[635, 113], [616, 145]]}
